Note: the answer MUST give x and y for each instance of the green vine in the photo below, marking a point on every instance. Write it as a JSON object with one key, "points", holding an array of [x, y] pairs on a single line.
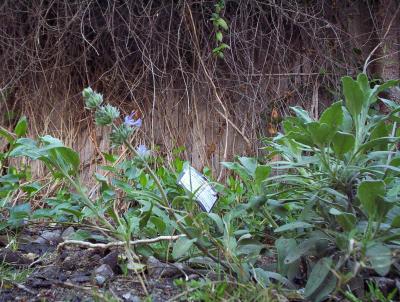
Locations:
{"points": [[220, 26]]}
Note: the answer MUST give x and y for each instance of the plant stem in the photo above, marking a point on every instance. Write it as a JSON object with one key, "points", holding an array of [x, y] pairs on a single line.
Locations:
{"points": [[87, 201], [170, 211]]}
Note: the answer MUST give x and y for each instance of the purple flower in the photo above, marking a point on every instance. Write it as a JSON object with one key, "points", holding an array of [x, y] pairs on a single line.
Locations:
{"points": [[142, 151], [130, 121]]}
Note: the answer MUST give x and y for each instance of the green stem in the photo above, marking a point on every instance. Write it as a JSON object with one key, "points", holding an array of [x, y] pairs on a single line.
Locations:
{"points": [[170, 211], [368, 231], [87, 201], [271, 220]]}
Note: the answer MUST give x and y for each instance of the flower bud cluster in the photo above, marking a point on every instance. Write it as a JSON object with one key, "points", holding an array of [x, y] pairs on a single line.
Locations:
{"points": [[92, 99], [105, 115], [120, 134]]}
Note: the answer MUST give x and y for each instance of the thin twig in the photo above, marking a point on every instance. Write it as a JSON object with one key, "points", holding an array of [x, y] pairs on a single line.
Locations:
{"points": [[21, 286], [367, 61], [116, 243]]}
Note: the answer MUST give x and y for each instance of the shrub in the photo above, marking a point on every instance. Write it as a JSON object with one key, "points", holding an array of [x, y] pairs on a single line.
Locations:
{"points": [[340, 181]]}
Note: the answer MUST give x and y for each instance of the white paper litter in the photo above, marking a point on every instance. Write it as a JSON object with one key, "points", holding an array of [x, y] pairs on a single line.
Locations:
{"points": [[196, 183]]}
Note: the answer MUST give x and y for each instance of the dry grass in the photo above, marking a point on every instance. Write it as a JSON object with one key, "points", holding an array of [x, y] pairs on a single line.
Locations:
{"points": [[156, 57]]}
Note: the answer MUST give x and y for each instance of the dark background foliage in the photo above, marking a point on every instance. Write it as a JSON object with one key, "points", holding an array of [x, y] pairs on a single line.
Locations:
{"points": [[156, 57]]}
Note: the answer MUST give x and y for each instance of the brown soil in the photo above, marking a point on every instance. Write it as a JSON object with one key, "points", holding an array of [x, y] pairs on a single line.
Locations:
{"points": [[70, 274]]}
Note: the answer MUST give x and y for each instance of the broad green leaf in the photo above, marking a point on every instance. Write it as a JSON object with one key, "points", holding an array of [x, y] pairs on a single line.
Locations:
{"points": [[6, 134], [82, 235], [51, 141], [303, 248], [342, 241], [261, 173], [385, 206], [375, 142], [283, 248], [263, 278], [302, 137], [249, 163], [218, 221], [321, 134], [346, 220], [100, 177], [379, 131], [222, 23], [219, 36], [363, 82], [159, 223], [21, 209], [325, 289], [19, 213], [238, 168], [395, 222], [9, 178], [143, 179], [181, 246], [67, 157], [292, 123], [256, 201], [342, 143], [31, 188], [380, 257], [21, 127], [43, 213], [347, 124], [302, 114], [293, 226], [380, 88], [248, 247], [144, 218], [77, 213], [333, 115], [318, 275], [25, 147], [109, 157], [354, 96], [370, 193]]}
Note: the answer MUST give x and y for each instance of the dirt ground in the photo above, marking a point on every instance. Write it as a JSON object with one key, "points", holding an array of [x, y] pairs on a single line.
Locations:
{"points": [[76, 273]]}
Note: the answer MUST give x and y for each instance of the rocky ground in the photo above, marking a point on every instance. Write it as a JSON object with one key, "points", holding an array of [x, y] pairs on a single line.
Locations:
{"points": [[76, 273]]}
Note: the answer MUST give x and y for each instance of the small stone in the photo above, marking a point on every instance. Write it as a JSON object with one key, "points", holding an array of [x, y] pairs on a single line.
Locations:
{"points": [[52, 237], [157, 269], [79, 277], [129, 297], [9, 256], [31, 256], [102, 274], [193, 277], [104, 270], [67, 233], [112, 260], [100, 280]]}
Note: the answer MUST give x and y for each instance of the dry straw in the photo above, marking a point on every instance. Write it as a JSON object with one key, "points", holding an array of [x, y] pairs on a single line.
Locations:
{"points": [[156, 57]]}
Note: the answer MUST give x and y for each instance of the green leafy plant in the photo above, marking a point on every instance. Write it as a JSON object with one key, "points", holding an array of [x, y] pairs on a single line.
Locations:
{"points": [[225, 290], [330, 205], [220, 26], [157, 205], [164, 208], [339, 177], [13, 180]]}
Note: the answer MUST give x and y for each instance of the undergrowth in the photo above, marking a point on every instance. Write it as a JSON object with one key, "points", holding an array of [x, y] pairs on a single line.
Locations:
{"points": [[304, 227]]}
